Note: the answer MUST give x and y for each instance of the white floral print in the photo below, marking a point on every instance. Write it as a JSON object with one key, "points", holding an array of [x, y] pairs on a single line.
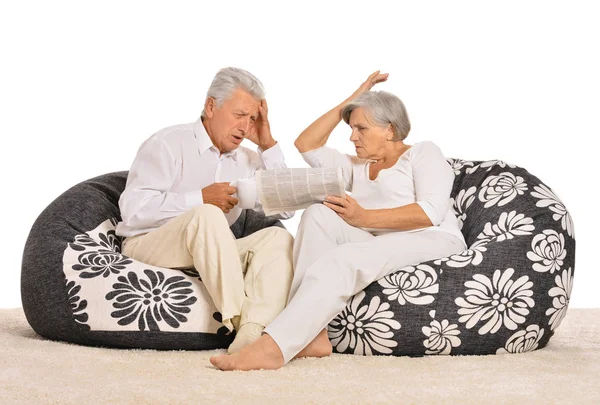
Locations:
{"points": [[473, 255], [549, 199], [562, 295], [411, 284], [501, 189], [458, 164], [364, 329], [549, 249], [463, 200], [499, 301], [489, 164], [441, 337], [509, 225], [523, 341]]}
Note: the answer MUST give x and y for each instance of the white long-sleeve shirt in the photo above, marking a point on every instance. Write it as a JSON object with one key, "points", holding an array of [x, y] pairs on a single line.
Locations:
{"points": [[171, 169], [421, 175]]}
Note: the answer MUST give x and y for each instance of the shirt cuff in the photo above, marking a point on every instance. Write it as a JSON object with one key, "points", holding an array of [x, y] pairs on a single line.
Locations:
{"points": [[193, 199], [272, 157], [429, 211]]}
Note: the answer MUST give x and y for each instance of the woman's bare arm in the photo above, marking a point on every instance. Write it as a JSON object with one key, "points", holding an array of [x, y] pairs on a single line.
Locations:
{"points": [[318, 132]]}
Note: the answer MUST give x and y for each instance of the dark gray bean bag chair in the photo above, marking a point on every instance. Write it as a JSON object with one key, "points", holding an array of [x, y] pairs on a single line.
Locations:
{"points": [[507, 293], [76, 285]]}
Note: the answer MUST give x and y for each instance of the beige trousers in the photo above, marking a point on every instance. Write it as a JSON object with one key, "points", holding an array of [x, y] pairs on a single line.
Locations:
{"points": [[248, 279]]}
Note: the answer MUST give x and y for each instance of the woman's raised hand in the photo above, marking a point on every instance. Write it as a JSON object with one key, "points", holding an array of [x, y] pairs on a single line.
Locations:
{"points": [[372, 80]]}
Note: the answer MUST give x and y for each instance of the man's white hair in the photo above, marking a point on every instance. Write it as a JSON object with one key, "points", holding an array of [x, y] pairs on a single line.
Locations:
{"points": [[229, 79], [384, 108]]}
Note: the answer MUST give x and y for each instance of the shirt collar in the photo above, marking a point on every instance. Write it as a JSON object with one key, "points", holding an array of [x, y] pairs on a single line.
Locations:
{"points": [[205, 143]]}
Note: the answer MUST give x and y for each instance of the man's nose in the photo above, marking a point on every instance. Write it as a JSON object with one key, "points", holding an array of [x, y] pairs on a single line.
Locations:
{"points": [[244, 126]]}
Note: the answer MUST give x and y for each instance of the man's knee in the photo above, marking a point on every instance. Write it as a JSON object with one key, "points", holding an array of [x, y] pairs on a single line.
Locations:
{"points": [[207, 213], [279, 237]]}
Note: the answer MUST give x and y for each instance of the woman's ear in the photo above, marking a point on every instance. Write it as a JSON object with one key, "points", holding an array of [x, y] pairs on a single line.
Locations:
{"points": [[209, 107], [389, 135]]}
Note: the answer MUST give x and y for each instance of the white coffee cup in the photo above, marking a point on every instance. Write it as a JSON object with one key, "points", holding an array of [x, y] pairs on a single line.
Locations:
{"points": [[246, 192]]}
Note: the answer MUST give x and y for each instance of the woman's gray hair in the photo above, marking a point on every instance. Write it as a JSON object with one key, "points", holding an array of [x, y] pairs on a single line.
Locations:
{"points": [[384, 108], [227, 80]]}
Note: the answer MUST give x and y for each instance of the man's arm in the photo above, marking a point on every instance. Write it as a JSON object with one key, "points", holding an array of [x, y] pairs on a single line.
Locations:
{"points": [[147, 201]]}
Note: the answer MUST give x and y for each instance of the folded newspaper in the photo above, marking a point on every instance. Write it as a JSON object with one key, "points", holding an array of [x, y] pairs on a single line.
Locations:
{"points": [[281, 190]]}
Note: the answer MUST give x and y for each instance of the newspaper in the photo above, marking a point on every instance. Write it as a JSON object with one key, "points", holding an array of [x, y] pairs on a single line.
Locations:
{"points": [[281, 190]]}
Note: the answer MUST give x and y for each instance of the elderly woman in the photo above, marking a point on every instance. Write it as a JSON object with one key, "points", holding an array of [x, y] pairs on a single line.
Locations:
{"points": [[399, 214]]}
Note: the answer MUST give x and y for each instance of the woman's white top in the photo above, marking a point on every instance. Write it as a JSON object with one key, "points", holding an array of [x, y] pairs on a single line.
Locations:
{"points": [[421, 175]]}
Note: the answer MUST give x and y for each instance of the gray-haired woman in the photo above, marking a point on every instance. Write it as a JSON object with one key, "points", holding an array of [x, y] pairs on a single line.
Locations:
{"points": [[399, 214]]}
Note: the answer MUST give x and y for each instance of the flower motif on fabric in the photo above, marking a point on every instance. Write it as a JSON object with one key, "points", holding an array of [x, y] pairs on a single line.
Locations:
{"points": [[523, 341], [463, 200], [365, 329], [499, 301], [411, 284], [102, 262], [489, 164], [191, 272], [549, 199], [108, 242], [77, 305], [501, 189], [509, 225], [441, 337], [458, 164], [151, 300], [217, 316], [473, 255], [548, 248], [562, 296]]}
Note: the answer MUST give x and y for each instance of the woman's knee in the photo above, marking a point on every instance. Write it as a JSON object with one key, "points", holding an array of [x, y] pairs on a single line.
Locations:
{"points": [[318, 212]]}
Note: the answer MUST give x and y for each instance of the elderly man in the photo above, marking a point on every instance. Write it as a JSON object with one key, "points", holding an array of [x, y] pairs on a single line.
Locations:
{"points": [[178, 205]]}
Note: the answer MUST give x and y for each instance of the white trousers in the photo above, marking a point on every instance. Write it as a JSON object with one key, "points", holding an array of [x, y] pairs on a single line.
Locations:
{"points": [[248, 279], [333, 261]]}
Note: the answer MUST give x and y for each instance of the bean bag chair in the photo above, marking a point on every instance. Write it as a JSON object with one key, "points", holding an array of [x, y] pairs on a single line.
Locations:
{"points": [[506, 293], [76, 285]]}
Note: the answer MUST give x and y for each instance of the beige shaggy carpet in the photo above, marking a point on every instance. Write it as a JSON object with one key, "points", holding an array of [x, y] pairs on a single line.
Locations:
{"points": [[37, 371]]}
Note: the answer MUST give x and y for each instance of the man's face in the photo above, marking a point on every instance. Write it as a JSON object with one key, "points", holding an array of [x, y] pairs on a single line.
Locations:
{"points": [[230, 123]]}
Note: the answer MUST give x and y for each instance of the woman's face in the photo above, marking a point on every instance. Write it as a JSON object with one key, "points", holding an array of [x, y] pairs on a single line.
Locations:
{"points": [[369, 139]]}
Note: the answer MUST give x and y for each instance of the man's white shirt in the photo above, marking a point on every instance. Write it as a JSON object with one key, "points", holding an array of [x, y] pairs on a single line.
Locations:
{"points": [[173, 166]]}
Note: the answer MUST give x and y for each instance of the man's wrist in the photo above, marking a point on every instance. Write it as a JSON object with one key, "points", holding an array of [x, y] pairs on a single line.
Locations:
{"points": [[266, 145]]}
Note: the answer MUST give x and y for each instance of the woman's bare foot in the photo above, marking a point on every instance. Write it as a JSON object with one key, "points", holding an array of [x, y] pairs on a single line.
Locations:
{"points": [[319, 347], [262, 354]]}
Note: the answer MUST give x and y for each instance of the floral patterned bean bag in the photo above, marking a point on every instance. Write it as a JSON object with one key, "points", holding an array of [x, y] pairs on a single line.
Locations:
{"points": [[76, 285], [507, 293]]}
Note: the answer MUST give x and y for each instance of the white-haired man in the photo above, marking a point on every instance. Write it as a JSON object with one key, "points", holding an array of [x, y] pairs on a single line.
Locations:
{"points": [[178, 205]]}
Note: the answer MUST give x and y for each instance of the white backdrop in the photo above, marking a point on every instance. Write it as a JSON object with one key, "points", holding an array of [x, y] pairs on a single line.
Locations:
{"points": [[83, 85]]}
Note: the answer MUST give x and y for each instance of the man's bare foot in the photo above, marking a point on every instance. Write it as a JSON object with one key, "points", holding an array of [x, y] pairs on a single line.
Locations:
{"points": [[319, 347], [262, 354]]}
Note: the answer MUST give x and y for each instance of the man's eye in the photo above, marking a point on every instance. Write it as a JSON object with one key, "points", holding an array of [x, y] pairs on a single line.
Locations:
{"points": [[253, 119]]}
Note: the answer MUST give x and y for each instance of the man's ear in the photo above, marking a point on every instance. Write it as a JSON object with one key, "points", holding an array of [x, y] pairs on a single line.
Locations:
{"points": [[209, 107]]}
